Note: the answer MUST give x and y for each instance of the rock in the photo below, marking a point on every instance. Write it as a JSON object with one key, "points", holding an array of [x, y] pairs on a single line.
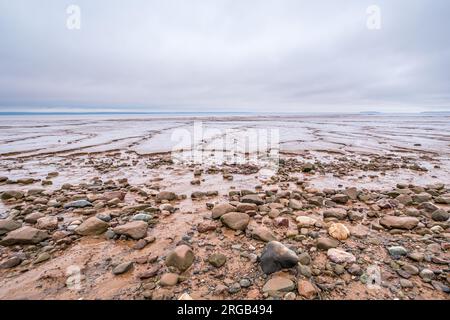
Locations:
{"points": [[11, 263], [24, 235], [280, 284], [8, 225], [252, 198], [397, 251], [92, 226], [326, 243], [205, 227], [42, 257], [234, 288], [235, 220], [427, 275], [168, 279], [305, 222], [276, 256], [355, 270], [306, 289], [181, 258], [411, 269], [33, 217], [244, 207], [440, 215], [352, 193], [245, 283], [47, 223], [280, 222], [221, 209], [142, 217], [295, 204], [166, 195], [404, 199], [12, 194], [122, 268], [428, 207], [135, 229], [108, 196], [340, 198], [217, 259], [338, 231], [104, 217], [78, 204], [304, 258], [263, 234], [421, 197], [340, 256], [393, 222], [338, 213]]}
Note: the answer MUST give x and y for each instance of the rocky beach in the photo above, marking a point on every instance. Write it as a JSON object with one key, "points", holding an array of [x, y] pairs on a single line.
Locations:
{"points": [[96, 207]]}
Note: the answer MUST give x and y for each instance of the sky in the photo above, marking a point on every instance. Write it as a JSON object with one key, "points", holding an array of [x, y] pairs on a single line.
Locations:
{"points": [[225, 55]]}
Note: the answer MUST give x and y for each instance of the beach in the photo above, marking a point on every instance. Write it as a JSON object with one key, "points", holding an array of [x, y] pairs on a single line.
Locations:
{"points": [[326, 206]]}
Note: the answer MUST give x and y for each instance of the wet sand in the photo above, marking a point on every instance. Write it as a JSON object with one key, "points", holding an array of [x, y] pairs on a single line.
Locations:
{"points": [[377, 162]]}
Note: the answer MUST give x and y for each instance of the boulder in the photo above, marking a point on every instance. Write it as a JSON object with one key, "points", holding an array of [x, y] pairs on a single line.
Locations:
{"points": [[181, 258], [280, 284], [8, 225], [340, 256], [78, 204], [24, 235], [221, 209], [277, 256], [263, 234], [135, 229], [394, 222], [92, 226], [235, 220], [338, 231]]}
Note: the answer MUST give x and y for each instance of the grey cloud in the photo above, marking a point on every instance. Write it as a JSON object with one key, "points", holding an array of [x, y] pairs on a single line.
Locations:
{"points": [[224, 55]]}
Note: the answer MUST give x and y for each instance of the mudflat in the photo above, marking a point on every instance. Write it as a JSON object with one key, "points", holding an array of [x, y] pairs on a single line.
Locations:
{"points": [[142, 207]]}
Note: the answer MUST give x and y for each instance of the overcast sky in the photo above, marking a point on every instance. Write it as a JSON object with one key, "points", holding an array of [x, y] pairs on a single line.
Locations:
{"points": [[224, 55]]}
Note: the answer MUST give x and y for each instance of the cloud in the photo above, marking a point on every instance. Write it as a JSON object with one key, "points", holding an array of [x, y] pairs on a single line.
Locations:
{"points": [[224, 55]]}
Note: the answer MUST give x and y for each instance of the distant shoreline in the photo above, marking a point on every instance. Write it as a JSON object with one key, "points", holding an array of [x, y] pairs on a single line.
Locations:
{"points": [[219, 113]]}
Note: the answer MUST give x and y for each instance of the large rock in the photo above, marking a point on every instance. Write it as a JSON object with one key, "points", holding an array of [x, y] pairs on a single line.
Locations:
{"points": [[108, 196], [281, 284], [295, 204], [340, 198], [217, 259], [326, 243], [92, 226], [8, 225], [340, 256], [440, 215], [244, 207], [181, 258], [24, 235], [306, 289], [339, 231], [263, 234], [305, 222], [252, 198], [47, 223], [338, 213], [135, 229], [78, 204], [12, 194], [33, 217], [221, 209], [235, 220], [166, 195], [393, 222], [277, 256]]}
